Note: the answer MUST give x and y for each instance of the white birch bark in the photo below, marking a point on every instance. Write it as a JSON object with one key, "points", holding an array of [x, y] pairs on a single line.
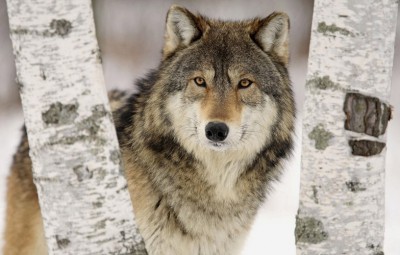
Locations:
{"points": [[342, 195], [83, 195]]}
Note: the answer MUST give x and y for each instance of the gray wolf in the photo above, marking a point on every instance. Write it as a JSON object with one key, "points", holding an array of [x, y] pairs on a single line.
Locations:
{"points": [[201, 142]]}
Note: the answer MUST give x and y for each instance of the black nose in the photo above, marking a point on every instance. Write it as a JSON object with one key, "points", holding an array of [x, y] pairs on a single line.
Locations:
{"points": [[216, 131]]}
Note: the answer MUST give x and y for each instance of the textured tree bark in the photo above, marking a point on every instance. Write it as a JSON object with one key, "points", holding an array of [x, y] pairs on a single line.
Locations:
{"points": [[343, 162], [77, 169]]}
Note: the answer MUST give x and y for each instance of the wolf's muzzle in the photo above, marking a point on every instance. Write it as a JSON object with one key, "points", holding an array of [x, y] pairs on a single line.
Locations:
{"points": [[216, 131]]}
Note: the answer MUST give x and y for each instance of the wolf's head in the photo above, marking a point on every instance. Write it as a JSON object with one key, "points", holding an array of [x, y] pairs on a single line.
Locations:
{"points": [[224, 85]]}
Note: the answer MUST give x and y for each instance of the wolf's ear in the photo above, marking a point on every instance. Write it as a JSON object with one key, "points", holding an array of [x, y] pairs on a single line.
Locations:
{"points": [[273, 35], [182, 28]]}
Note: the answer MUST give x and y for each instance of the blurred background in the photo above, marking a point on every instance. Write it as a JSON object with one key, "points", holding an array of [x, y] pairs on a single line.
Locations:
{"points": [[130, 34]]}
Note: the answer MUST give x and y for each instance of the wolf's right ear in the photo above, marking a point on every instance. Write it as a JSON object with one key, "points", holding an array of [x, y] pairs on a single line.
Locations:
{"points": [[272, 34], [182, 28]]}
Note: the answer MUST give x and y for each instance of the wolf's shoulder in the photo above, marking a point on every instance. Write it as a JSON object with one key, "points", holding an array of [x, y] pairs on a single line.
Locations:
{"points": [[122, 105], [126, 104]]}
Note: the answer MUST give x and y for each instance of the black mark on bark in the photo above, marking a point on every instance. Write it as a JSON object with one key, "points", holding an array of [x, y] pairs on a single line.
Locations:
{"points": [[82, 172], [60, 114], [315, 194], [310, 230], [43, 74], [61, 27], [97, 204], [62, 242], [376, 248], [332, 29], [57, 27], [366, 148], [97, 52], [355, 186]]}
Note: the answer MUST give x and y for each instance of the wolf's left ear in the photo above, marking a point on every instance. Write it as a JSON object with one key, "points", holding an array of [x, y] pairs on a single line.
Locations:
{"points": [[272, 35], [182, 28]]}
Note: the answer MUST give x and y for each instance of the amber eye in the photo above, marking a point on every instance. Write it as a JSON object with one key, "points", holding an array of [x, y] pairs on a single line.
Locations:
{"points": [[245, 83], [200, 81]]}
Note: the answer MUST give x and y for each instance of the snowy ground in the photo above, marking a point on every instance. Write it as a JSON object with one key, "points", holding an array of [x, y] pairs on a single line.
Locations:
{"points": [[121, 29]]}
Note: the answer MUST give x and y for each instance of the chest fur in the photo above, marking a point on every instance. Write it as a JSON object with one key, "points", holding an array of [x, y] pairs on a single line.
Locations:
{"points": [[185, 229], [205, 214]]}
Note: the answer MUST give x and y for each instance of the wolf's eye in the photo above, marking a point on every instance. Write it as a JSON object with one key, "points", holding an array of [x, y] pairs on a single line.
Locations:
{"points": [[245, 83], [200, 81]]}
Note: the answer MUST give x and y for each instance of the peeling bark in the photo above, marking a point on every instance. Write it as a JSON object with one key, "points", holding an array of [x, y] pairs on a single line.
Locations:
{"points": [[365, 147], [365, 114], [77, 169], [345, 117]]}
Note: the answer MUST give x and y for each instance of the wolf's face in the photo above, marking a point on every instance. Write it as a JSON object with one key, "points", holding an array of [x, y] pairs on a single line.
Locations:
{"points": [[225, 83], [224, 103]]}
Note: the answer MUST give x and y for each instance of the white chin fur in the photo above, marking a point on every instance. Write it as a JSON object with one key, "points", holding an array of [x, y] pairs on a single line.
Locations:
{"points": [[216, 146], [244, 140]]}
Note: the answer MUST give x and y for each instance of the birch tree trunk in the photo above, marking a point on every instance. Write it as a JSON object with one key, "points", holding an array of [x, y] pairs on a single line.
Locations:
{"points": [[345, 117], [77, 169]]}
